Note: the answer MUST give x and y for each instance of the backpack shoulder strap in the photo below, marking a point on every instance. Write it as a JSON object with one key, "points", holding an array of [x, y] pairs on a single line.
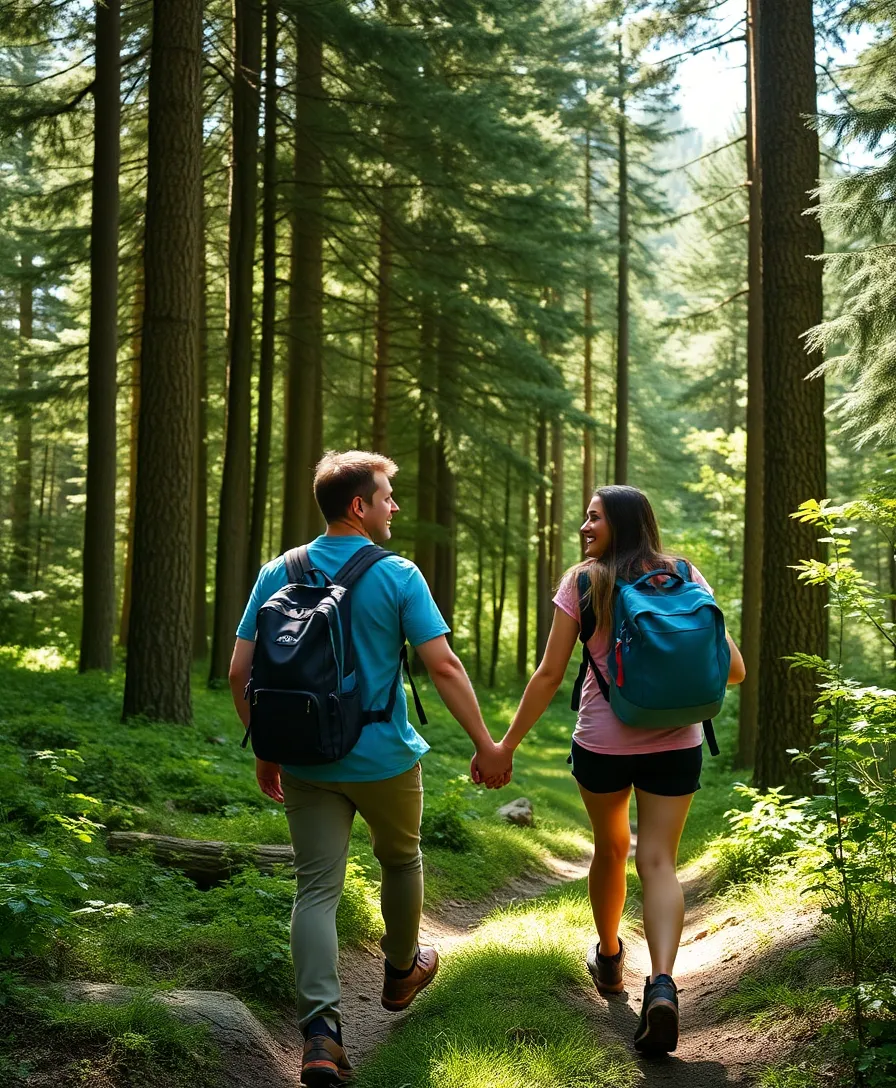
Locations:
{"points": [[360, 562], [587, 627], [298, 565], [684, 569], [587, 618]]}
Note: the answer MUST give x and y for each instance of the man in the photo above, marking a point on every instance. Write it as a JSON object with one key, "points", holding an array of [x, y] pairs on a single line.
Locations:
{"points": [[380, 777]]}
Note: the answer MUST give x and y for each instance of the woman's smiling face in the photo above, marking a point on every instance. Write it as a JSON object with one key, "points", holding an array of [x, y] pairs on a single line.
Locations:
{"points": [[596, 530]]}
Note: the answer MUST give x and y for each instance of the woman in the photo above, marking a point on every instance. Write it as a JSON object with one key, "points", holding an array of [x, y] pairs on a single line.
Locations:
{"points": [[610, 758]]}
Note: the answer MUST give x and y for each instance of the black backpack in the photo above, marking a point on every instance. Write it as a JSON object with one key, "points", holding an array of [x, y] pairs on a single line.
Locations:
{"points": [[303, 693]]}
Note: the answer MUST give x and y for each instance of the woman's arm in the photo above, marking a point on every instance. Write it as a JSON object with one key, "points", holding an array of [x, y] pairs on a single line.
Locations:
{"points": [[546, 679], [737, 670]]}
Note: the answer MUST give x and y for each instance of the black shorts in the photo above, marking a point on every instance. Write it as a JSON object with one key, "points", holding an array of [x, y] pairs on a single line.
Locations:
{"points": [[674, 773]]}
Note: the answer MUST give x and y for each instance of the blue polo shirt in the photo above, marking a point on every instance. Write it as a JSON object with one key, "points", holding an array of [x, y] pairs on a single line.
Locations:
{"points": [[390, 603]]}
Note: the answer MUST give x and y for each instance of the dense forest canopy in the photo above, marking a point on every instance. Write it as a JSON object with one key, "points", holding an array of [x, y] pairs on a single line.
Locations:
{"points": [[478, 238]]}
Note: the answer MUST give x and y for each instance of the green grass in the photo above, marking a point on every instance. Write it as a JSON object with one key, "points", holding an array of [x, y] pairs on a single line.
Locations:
{"points": [[778, 995], [498, 1014]]}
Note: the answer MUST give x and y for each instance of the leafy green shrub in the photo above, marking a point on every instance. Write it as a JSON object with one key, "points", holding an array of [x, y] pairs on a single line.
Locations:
{"points": [[113, 776], [853, 763], [446, 820], [764, 836]]}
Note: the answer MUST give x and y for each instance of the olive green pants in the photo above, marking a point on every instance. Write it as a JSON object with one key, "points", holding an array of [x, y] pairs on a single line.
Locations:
{"points": [[320, 816]]}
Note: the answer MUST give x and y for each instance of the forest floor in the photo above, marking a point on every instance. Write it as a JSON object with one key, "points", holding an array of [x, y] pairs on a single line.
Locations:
{"points": [[725, 942], [513, 1005]]}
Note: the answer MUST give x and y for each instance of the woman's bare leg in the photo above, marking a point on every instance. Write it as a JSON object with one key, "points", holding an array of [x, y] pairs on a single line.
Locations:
{"points": [[660, 824], [608, 813]]}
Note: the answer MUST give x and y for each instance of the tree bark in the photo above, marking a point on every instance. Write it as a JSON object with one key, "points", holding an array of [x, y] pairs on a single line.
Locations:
{"points": [[480, 578], [498, 606], [556, 515], [268, 297], [20, 560], [383, 326], [522, 583], [232, 552], [622, 293], [793, 408], [98, 568], [445, 587], [137, 312], [542, 525], [303, 395], [158, 671], [752, 565], [200, 560], [588, 370], [425, 541]]}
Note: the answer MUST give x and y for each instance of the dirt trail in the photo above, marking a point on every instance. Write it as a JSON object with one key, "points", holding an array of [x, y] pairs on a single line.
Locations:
{"points": [[718, 947], [361, 971]]}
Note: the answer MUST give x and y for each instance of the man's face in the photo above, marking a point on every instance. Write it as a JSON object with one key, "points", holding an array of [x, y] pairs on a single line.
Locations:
{"points": [[376, 515]]}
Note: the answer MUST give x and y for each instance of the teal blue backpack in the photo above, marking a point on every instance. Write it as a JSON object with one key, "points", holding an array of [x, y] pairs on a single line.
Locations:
{"points": [[669, 657]]}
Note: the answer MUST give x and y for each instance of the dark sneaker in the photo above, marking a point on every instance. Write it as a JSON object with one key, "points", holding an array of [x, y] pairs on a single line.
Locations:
{"points": [[398, 993], [606, 970], [657, 1031], [324, 1062]]}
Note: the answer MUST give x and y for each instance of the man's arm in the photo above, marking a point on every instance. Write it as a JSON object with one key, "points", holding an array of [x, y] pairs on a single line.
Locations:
{"points": [[454, 687], [267, 774]]}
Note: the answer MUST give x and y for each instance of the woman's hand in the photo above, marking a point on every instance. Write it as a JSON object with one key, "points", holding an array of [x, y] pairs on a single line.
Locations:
{"points": [[268, 777]]}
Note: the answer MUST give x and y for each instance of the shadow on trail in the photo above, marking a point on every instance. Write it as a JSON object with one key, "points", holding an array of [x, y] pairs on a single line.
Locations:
{"points": [[620, 1017]]}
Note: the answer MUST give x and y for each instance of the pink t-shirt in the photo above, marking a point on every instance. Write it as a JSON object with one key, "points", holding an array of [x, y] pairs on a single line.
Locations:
{"points": [[597, 728]]}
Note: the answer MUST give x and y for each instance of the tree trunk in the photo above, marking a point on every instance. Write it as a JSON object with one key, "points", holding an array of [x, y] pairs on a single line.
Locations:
{"points": [[136, 350], [303, 396], [522, 584], [498, 606], [425, 541], [268, 297], [588, 375], [556, 501], [98, 568], [38, 542], [480, 577], [542, 525], [232, 552], [383, 330], [622, 302], [445, 587], [793, 408], [158, 671], [752, 565], [200, 559], [20, 561]]}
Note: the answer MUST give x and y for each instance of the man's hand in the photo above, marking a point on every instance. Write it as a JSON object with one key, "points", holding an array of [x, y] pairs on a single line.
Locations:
{"points": [[268, 775], [492, 765]]}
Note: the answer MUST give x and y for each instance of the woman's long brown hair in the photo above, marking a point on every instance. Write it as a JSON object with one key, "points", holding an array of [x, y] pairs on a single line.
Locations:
{"points": [[635, 548]]}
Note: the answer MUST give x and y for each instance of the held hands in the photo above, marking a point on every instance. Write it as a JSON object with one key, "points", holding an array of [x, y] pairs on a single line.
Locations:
{"points": [[492, 766], [268, 777]]}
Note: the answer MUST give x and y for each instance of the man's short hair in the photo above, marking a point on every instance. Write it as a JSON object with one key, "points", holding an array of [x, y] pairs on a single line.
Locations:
{"points": [[339, 477]]}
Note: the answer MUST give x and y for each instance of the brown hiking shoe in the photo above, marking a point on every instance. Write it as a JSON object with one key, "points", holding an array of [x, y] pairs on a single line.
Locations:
{"points": [[324, 1062], [606, 970], [398, 993]]}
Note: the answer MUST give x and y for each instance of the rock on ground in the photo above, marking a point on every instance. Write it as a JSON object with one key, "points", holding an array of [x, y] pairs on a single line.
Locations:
{"points": [[518, 812]]}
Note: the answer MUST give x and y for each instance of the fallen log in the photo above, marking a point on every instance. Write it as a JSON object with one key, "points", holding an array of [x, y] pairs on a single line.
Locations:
{"points": [[204, 861]]}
